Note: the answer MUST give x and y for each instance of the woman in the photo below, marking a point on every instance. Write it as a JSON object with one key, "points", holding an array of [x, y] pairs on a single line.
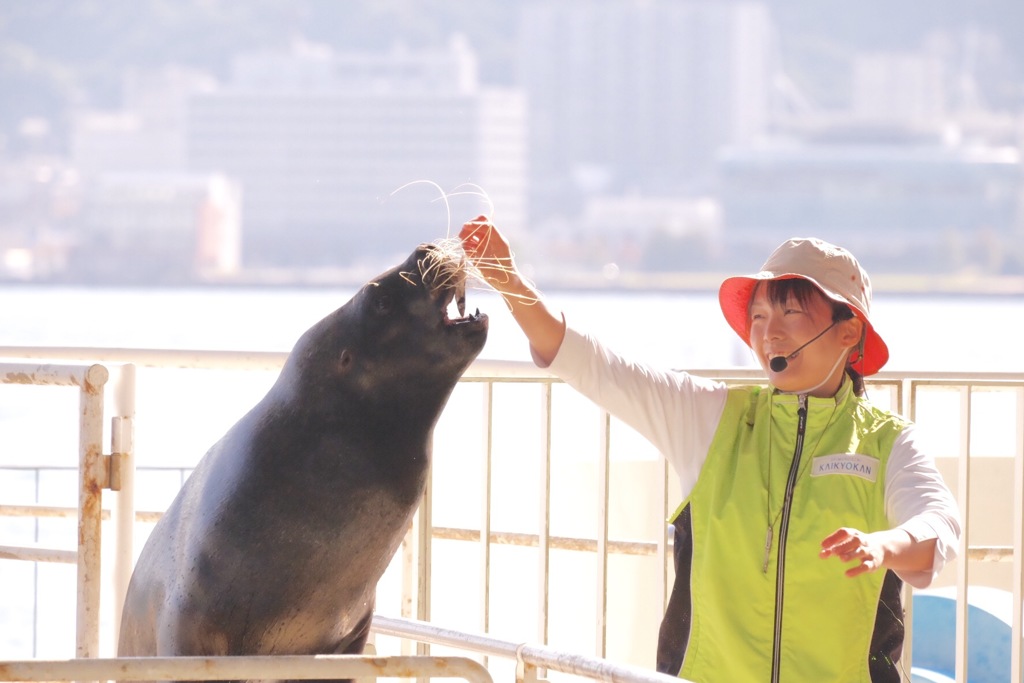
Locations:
{"points": [[776, 480]]}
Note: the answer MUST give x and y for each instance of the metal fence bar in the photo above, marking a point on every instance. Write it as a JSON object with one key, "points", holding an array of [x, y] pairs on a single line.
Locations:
{"points": [[485, 512], [243, 668], [983, 553], [661, 576], [122, 459], [905, 404], [963, 499], [409, 578], [424, 524], [35, 553], [1017, 618], [93, 479], [43, 510], [155, 358], [47, 375], [480, 370], [905, 387], [537, 656], [978, 553], [544, 539], [603, 495]]}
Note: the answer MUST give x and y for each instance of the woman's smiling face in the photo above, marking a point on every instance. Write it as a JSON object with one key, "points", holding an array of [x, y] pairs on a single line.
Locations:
{"points": [[784, 320]]}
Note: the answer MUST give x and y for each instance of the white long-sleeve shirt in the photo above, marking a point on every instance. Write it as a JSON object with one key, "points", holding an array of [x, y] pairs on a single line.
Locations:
{"points": [[679, 414]]}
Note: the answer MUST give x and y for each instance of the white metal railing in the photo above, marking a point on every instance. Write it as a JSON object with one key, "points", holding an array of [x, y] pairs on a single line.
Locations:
{"points": [[903, 392], [97, 471], [243, 668], [530, 659]]}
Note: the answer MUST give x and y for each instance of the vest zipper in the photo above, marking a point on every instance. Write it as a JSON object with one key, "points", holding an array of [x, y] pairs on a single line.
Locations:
{"points": [[780, 571]]}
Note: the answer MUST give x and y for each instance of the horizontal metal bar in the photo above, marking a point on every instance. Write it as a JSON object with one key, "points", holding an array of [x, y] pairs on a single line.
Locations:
{"points": [[32, 553], [50, 511], [554, 542], [480, 369], [428, 633], [242, 668], [990, 553], [47, 511], [84, 376], [534, 655], [639, 548], [997, 553], [974, 380], [169, 358]]}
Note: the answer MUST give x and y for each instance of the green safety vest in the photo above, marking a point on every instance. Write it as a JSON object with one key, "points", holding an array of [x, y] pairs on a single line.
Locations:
{"points": [[798, 618]]}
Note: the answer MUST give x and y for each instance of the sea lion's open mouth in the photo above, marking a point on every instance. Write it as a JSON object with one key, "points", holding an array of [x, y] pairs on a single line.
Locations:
{"points": [[457, 294], [444, 275]]}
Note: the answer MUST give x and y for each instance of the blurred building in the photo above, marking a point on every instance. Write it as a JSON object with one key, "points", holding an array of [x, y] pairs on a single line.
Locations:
{"points": [[899, 87], [639, 95], [40, 198], [643, 233], [148, 133], [143, 216], [326, 146], [902, 198], [159, 228]]}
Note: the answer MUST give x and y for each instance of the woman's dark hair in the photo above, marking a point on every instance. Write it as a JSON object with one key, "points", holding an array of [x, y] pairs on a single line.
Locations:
{"points": [[779, 292]]}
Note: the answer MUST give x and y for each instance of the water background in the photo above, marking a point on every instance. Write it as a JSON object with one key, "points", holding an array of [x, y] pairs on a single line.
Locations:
{"points": [[685, 329]]}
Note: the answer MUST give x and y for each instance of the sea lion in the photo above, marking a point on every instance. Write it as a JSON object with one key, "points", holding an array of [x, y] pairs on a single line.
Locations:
{"points": [[276, 542]]}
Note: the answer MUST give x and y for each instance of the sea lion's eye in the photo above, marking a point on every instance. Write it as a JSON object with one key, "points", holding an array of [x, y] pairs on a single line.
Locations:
{"points": [[382, 304], [344, 361]]}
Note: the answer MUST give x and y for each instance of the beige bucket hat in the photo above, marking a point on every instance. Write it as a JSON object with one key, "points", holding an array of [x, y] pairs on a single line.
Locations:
{"points": [[835, 272]]}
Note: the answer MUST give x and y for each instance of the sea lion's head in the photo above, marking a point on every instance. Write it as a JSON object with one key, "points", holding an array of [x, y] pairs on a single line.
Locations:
{"points": [[397, 344]]}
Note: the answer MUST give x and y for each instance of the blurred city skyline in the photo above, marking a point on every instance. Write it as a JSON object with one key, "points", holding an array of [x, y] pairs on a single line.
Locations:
{"points": [[207, 141]]}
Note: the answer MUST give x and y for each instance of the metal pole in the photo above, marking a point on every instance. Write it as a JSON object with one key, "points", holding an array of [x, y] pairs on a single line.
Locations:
{"points": [[1016, 620], [661, 547], [903, 402], [963, 485], [122, 447], [424, 540], [544, 535], [409, 577], [603, 484], [485, 511], [537, 656], [92, 479]]}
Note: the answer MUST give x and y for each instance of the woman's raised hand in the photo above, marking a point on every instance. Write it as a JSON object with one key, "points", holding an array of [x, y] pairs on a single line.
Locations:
{"points": [[489, 251]]}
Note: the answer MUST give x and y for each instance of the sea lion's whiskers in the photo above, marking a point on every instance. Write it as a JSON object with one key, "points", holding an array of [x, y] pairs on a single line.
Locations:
{"points": [[477, 192], [473, 190], [443, 265], [448, 261], [440, 191]]}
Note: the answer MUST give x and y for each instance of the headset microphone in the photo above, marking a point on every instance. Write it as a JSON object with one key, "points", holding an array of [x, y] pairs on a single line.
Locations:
{"points": [[780, 363]]}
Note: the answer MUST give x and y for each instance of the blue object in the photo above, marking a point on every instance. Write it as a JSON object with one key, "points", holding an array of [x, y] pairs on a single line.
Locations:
{"points": [[989, 634]]}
